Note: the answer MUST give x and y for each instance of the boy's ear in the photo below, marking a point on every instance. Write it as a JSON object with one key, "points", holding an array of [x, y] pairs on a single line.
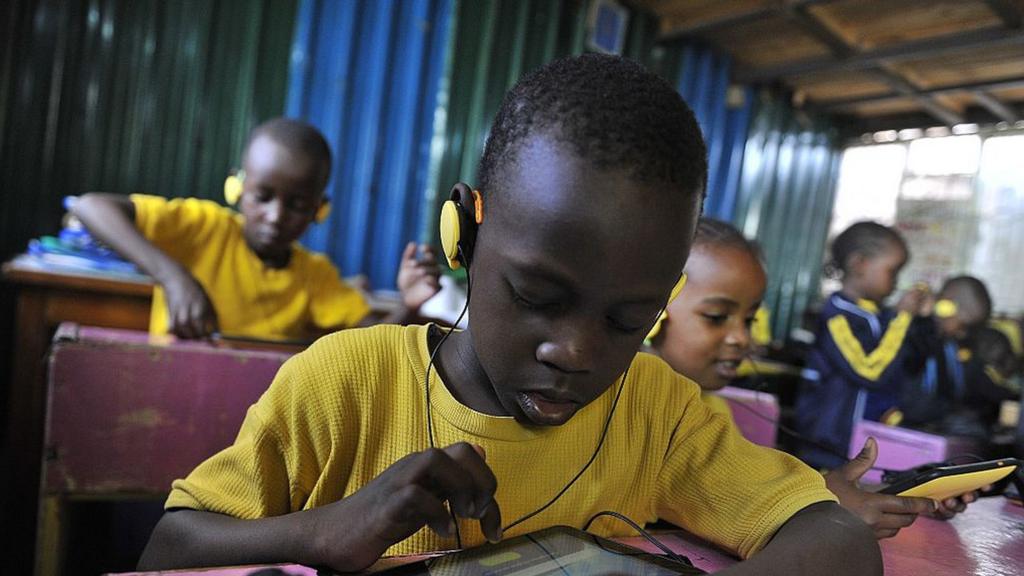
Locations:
{"points": [[854, 263]]}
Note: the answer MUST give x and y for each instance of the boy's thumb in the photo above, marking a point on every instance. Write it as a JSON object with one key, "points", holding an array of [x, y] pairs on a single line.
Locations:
{"points": [[861, 463]]}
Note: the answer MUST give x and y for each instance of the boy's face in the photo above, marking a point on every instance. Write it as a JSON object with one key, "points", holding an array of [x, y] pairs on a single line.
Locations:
{"points": [[571, 267], [959, 326], [280, 198], [707, 332], [877, 273]]}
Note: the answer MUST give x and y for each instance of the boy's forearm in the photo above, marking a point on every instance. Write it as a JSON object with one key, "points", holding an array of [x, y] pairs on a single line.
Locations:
{"points": [[400, 315], [110, 218], [193, 539], [823, 538]]}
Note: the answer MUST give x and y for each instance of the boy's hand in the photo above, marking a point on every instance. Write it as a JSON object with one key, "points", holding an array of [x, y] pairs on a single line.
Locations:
{"points": [[418, 277], [917, 301], [353, 533], [884, 513], [190, 313], [950, 507]]}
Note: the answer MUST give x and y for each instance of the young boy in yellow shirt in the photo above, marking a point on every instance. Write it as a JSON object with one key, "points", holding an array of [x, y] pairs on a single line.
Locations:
{"points": [[245, 274], [397, 440]]}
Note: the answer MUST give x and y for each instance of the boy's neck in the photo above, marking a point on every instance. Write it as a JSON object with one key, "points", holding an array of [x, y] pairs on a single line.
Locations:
{"points": [[461, 372], [854, 294], [278, 261]]}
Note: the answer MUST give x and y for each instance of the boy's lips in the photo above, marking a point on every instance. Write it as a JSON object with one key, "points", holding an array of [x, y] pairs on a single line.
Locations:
{"points": [[546, 409], [727, 368]]}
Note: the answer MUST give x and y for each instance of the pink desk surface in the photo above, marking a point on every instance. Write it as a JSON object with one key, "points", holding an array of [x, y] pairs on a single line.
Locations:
{"points": [[987, 540]]}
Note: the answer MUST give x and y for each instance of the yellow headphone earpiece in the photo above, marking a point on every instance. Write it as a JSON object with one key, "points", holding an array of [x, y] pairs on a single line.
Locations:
{"points": [[945, 308], [458, 229], [234, 185], [664, 314], [323, 211]]}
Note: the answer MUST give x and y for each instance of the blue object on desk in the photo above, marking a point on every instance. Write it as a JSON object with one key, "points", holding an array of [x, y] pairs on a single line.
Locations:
{"points": [[51, 250]]}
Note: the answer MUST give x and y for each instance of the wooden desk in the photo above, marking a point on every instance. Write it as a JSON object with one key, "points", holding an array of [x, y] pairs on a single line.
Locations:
{"points": [[45, 299], [987, 540]]}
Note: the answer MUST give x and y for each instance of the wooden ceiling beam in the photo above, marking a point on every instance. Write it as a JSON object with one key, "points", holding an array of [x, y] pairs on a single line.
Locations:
{"points": [[1007, 11], [842, 50], [926, 48], [927, 102], [970, 87], [810, 24], [996, 106], [710, 26]]}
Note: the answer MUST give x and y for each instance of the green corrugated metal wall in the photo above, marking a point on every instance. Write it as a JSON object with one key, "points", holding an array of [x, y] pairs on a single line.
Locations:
{"points": [[787, 189], [124, 96], [129, 96]]}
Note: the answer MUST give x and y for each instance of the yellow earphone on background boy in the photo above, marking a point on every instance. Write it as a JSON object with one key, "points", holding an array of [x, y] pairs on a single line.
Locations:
{"points": [[945, 308], [234, 185], [664, 311]]}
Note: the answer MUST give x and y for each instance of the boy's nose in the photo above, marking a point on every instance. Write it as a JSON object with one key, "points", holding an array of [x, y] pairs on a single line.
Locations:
{"points": [[571, 352], [738, 336], [273, 211]]}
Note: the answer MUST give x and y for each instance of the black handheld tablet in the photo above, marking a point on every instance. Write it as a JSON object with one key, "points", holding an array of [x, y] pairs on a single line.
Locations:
{"points": [[947, 481], [556, 550]]}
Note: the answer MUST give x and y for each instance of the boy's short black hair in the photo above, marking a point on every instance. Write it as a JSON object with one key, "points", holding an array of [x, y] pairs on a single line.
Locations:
{"points": [[713, 232], [609, 111], [301, 137], [971, 296], [865, 238]]}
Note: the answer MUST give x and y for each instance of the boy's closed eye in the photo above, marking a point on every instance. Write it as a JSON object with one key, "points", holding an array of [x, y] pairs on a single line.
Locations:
{"points": [[534, 300], [632, 318]]}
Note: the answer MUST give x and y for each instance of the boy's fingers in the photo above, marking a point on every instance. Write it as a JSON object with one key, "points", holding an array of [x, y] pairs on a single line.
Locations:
{"points": [[861, 463], [431, 511], [896, 521], [410, 251], [908, 505], [886, 533], [490, 522], [444, 478], [471, 461]]}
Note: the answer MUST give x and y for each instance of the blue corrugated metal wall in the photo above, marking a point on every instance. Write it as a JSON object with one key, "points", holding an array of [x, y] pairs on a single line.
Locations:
{"points": [[499, 40], [787, 189], [372, 77], [367, 74], [704, 83]]}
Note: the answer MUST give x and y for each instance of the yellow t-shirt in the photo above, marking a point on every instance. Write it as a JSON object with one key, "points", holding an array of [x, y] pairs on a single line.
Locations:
{"points": [[344, 410], [250, 298], [717, 404]]}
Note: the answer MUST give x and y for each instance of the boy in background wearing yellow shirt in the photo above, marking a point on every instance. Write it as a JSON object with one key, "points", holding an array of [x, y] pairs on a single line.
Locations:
{"points": [[245, 274], [384, 441]]}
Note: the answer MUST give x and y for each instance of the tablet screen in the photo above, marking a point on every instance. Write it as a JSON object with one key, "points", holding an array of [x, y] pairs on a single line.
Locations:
{"points": [[558, 550]]}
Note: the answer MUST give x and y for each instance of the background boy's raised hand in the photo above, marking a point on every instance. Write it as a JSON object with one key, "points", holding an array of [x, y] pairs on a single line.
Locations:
{"points": [[885, 514], [418, 278]]}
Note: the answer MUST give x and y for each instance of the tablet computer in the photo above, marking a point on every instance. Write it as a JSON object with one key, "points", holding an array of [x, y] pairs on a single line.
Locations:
{"points": [[944, 482], [559, 550]]}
